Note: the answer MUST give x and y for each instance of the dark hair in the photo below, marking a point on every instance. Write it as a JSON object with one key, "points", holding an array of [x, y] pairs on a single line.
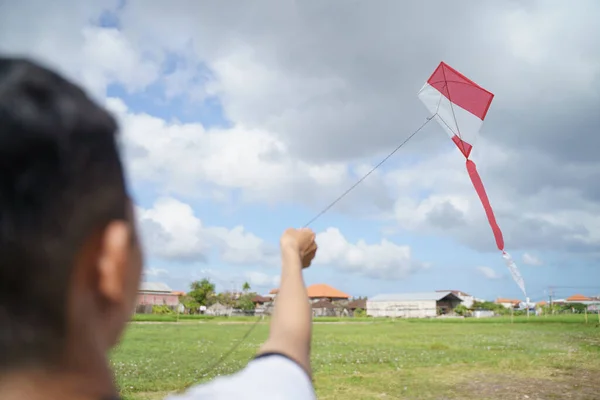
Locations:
{"points": [[61, 180]]}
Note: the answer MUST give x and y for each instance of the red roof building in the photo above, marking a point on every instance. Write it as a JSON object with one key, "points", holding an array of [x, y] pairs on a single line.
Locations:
{"points": [[321, 291], [577, 298]]}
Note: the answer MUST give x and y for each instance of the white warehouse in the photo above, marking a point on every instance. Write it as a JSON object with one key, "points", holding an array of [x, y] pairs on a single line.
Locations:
{"points": [[412, 305]]}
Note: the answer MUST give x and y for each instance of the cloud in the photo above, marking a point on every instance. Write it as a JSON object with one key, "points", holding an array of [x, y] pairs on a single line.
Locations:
{"points": [[529, 259], [384, 260], [226, 280], [171, 230], [313, 100], [188, 159], [489, 273], [155, 272]]}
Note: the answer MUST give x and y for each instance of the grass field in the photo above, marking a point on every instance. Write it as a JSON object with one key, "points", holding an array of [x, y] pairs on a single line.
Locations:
{"points": [[539, 358]]}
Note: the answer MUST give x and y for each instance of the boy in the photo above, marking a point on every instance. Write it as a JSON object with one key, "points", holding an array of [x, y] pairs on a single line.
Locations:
{"points": [[71, 262]]}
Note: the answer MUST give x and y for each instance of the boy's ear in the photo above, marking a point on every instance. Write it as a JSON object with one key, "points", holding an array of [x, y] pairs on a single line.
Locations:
{"points": [[115, 246]]}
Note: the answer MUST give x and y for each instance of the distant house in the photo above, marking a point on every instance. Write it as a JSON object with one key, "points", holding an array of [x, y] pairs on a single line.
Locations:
{"points": [[412, 305], [467, 299], [262, 304], [508, 303], [351, 307], [323, 308], [156, 294], [483, 313], [322, 291], [261, 300], [218, 309], [357, 304], [578, 298], [318, 292]]}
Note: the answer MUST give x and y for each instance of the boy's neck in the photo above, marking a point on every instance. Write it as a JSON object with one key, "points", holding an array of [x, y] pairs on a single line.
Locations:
{"points": [[64, 385]]}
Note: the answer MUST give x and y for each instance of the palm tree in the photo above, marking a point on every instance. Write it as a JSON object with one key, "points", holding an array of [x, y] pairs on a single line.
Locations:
{"points": [[246, 287]]}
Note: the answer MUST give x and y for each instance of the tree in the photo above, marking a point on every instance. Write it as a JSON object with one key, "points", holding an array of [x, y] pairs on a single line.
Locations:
{"points": [[488, 305], [461, 309], [246, 287], [245, 302], [203, 292], [189, 303], [226, 298]]}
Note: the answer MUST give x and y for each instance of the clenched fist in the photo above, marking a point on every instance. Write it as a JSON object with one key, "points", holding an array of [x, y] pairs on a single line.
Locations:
{"points": [[301, 241]]}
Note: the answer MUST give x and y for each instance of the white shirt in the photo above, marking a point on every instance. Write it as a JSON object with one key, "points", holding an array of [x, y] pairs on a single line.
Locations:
{"points": [[268, 377]]}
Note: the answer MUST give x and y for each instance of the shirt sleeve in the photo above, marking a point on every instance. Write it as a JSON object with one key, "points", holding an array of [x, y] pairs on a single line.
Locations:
{"points": [[268, 377]]}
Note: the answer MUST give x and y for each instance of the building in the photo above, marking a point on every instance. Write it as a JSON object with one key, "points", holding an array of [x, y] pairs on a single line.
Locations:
{"points": [[467, 299], [156, 294], [483, 313], [322, 291], [578, 298], [508, 303], [323, 308], [412, 305], [357, 304], [218, 310], [319, 292]]}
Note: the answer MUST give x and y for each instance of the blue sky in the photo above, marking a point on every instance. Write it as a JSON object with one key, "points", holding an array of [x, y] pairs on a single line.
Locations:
{"points": [[452, 265], [259, 123]]}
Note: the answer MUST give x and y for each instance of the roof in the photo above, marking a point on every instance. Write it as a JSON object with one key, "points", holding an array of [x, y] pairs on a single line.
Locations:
{"points": [[323, 304], [578, 297], [261, 299], [456, 292], [179, 293], [360, 303], [511, 301], [323, 290], [154, 287], [412, 296]]}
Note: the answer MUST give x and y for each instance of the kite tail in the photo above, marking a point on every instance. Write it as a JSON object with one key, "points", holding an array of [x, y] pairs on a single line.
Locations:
{"points": [[480, 189]]}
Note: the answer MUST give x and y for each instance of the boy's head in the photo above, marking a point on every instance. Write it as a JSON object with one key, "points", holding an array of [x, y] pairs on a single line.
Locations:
{"points": [[70, 262]]}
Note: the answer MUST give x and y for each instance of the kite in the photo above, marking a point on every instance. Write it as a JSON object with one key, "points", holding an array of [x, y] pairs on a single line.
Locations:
{"points": [[460, 106]]}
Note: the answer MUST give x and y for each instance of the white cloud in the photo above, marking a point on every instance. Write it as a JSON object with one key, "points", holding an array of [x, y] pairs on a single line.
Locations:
{"points": [[530, 259], [310, 99], [190, 160], [171, 230], [382, 260], [109, 57], [224, 279], [260, 279], [155, 272], [489, 273]]}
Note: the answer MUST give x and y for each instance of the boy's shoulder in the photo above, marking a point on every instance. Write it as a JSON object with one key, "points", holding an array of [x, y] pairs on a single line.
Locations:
{"points": [[268, 376]]}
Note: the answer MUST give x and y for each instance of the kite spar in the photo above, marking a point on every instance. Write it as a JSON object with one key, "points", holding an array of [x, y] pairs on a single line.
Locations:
{"points": [[460, 105]]}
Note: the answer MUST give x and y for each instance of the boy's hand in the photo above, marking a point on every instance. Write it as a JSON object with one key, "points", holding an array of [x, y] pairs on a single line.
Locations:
{"points": [[300, 241]]}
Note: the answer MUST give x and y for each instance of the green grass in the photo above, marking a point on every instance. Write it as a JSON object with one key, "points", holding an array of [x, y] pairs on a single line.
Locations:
{"points": [[542, 358]]}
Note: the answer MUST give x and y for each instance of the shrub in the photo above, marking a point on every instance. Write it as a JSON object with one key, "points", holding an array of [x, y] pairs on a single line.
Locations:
{"points": [[162, 310], [360, 313]]}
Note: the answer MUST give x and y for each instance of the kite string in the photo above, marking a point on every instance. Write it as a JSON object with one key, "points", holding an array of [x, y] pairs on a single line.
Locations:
{"points": [[365, 176], [317, 216]]}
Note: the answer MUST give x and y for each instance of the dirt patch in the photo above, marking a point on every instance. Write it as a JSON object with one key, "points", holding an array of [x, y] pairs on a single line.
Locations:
{"points": [[585, 385]]}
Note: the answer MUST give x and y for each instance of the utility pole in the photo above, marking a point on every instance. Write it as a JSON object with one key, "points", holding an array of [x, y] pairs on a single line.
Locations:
{"points": [[550, 295]]}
